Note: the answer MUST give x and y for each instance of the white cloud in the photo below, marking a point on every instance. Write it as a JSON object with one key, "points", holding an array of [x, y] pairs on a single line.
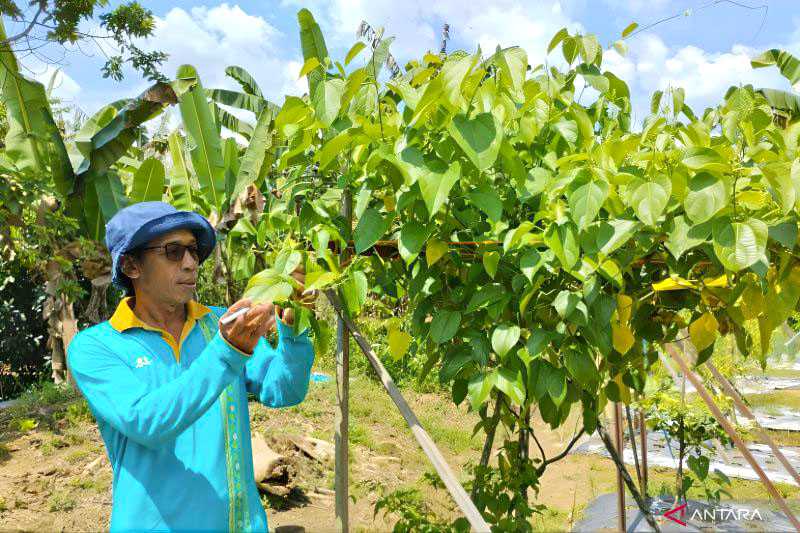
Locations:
{"points": [[213, 38], [651, 65], [417, 24]]}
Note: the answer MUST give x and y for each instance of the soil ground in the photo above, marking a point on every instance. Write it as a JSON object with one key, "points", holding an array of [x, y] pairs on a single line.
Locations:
{"points": [[54, 477]]}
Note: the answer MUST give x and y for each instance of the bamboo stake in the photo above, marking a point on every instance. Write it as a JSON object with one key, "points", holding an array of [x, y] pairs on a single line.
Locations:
{"points": [[342, 437], [737, 400], [643, 436], [458, 493], [732, 433], [619, 445]]}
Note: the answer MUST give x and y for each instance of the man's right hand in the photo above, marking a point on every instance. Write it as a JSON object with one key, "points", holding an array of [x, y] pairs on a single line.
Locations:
{"points": [[244, 332]]}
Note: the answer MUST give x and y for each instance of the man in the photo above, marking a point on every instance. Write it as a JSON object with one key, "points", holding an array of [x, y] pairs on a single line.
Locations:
{"points": [[168, 383]]}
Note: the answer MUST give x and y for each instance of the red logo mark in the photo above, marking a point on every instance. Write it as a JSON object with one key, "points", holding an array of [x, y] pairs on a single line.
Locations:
{"points": [[682, 509]]}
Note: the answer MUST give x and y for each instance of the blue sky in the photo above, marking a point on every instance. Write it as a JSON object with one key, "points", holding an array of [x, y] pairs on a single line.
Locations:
{"points": [[705, 49]]}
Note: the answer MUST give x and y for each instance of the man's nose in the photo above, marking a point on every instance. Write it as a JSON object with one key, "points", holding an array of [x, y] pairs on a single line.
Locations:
{"points": [[189, 262]]}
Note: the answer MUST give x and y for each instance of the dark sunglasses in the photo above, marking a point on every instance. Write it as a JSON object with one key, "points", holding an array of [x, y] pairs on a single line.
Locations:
{"points": [[175, 251]]}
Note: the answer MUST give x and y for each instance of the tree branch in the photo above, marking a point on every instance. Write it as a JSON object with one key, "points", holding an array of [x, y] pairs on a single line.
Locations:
{"points": [[612, 451], [27, 30], [561, 455]]}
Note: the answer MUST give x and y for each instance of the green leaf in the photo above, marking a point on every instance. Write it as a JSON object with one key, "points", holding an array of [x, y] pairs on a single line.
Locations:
{"points": [[784, 233], [204, 139], [556, 384], [648, 200], [513, 63], [490, 262], [487, 200], [706, 197], [606, 236], [566, 302], [245, 80], [435, 250], [563, 240], [701, 158], [581, 366], [655, 101], [557, 38], [530, 262], [479, 138], [485, 296], [412, 239], [436, 184], [504, 338], [327, 100], [353, 52], [245, 101], [509, 382], [379, 56], [371, 227], [30, 123], [479, 388], [313, 45], [254, 156], [399, 341], [452, 77], [444, 326], [684, 236], [629, 29], [267, 286], [739, 245], [310, 64], [704, 331], [585, 202], [568, 129], [148, 181], [180, 188], [786, 63]]}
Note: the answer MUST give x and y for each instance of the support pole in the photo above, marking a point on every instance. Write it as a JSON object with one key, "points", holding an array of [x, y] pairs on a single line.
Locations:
{"points": [[737, 400], [643, 437], [342, 439], [729, 429], [619, 431], [424, 440]]}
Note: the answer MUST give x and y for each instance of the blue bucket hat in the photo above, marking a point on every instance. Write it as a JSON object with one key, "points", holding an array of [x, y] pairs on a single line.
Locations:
{"points": [[142, 222]]}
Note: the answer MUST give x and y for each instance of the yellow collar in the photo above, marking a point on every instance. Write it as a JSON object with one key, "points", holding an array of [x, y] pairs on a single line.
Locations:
{"points": [[124, 318]]}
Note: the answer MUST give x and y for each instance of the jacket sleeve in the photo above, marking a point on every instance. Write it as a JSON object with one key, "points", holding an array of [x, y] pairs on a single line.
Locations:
{"points": [[279, 376], [147, 415]]}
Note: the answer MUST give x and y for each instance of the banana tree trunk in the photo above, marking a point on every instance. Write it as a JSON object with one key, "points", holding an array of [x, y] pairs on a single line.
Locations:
{"points": [[62, 325]]}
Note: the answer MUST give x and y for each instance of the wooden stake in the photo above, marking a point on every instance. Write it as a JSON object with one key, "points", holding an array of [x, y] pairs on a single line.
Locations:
{"points": [[424, 440], [620, 446], [737, 400], [643, 437], [732, 433], [342, 437]]}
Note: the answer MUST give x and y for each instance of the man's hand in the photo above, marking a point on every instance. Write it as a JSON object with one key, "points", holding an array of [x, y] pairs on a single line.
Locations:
{"points": [[245, 331], [306, 300]]}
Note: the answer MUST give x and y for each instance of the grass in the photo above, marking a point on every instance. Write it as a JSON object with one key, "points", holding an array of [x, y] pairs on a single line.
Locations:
{"points": [[781, 373], [784, 398], [61, 501]]}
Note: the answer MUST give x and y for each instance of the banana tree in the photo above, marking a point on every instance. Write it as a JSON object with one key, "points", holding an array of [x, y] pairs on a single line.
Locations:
{"points": [[82, 171], [785, 102], [249, 99], [228, 175]]}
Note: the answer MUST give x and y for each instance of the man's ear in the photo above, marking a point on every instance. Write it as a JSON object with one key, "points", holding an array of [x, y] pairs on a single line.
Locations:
{"points": [[130, 267]]}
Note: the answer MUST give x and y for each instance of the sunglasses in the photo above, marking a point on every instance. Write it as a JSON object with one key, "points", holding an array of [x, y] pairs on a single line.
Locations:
{"points": [[175, 250]]}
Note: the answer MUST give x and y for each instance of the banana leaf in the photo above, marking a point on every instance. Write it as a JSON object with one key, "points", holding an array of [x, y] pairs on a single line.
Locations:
{"points": [[313, 45], [244, 79], [204, 139]]}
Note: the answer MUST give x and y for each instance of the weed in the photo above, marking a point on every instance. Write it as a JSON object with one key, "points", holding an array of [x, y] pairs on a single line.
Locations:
{"points": [[61, 501], [77, 456]]}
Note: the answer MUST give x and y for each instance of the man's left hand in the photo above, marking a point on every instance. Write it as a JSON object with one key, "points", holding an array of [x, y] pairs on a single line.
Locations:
{"points": [[306, 300]]}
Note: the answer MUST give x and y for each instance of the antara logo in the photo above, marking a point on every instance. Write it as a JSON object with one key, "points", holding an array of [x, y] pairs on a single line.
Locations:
{"points": [[713, 514], [142, 361]]}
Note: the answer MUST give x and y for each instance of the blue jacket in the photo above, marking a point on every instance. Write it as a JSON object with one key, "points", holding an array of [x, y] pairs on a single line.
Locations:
{"points": [[174, 416]]}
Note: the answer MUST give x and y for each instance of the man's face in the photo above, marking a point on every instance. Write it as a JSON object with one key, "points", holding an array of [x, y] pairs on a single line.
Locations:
{"points": [[161, 279]]}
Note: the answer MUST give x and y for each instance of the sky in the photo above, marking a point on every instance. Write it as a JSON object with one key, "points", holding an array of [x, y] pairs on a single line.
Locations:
{"points": [[703, 46]]}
